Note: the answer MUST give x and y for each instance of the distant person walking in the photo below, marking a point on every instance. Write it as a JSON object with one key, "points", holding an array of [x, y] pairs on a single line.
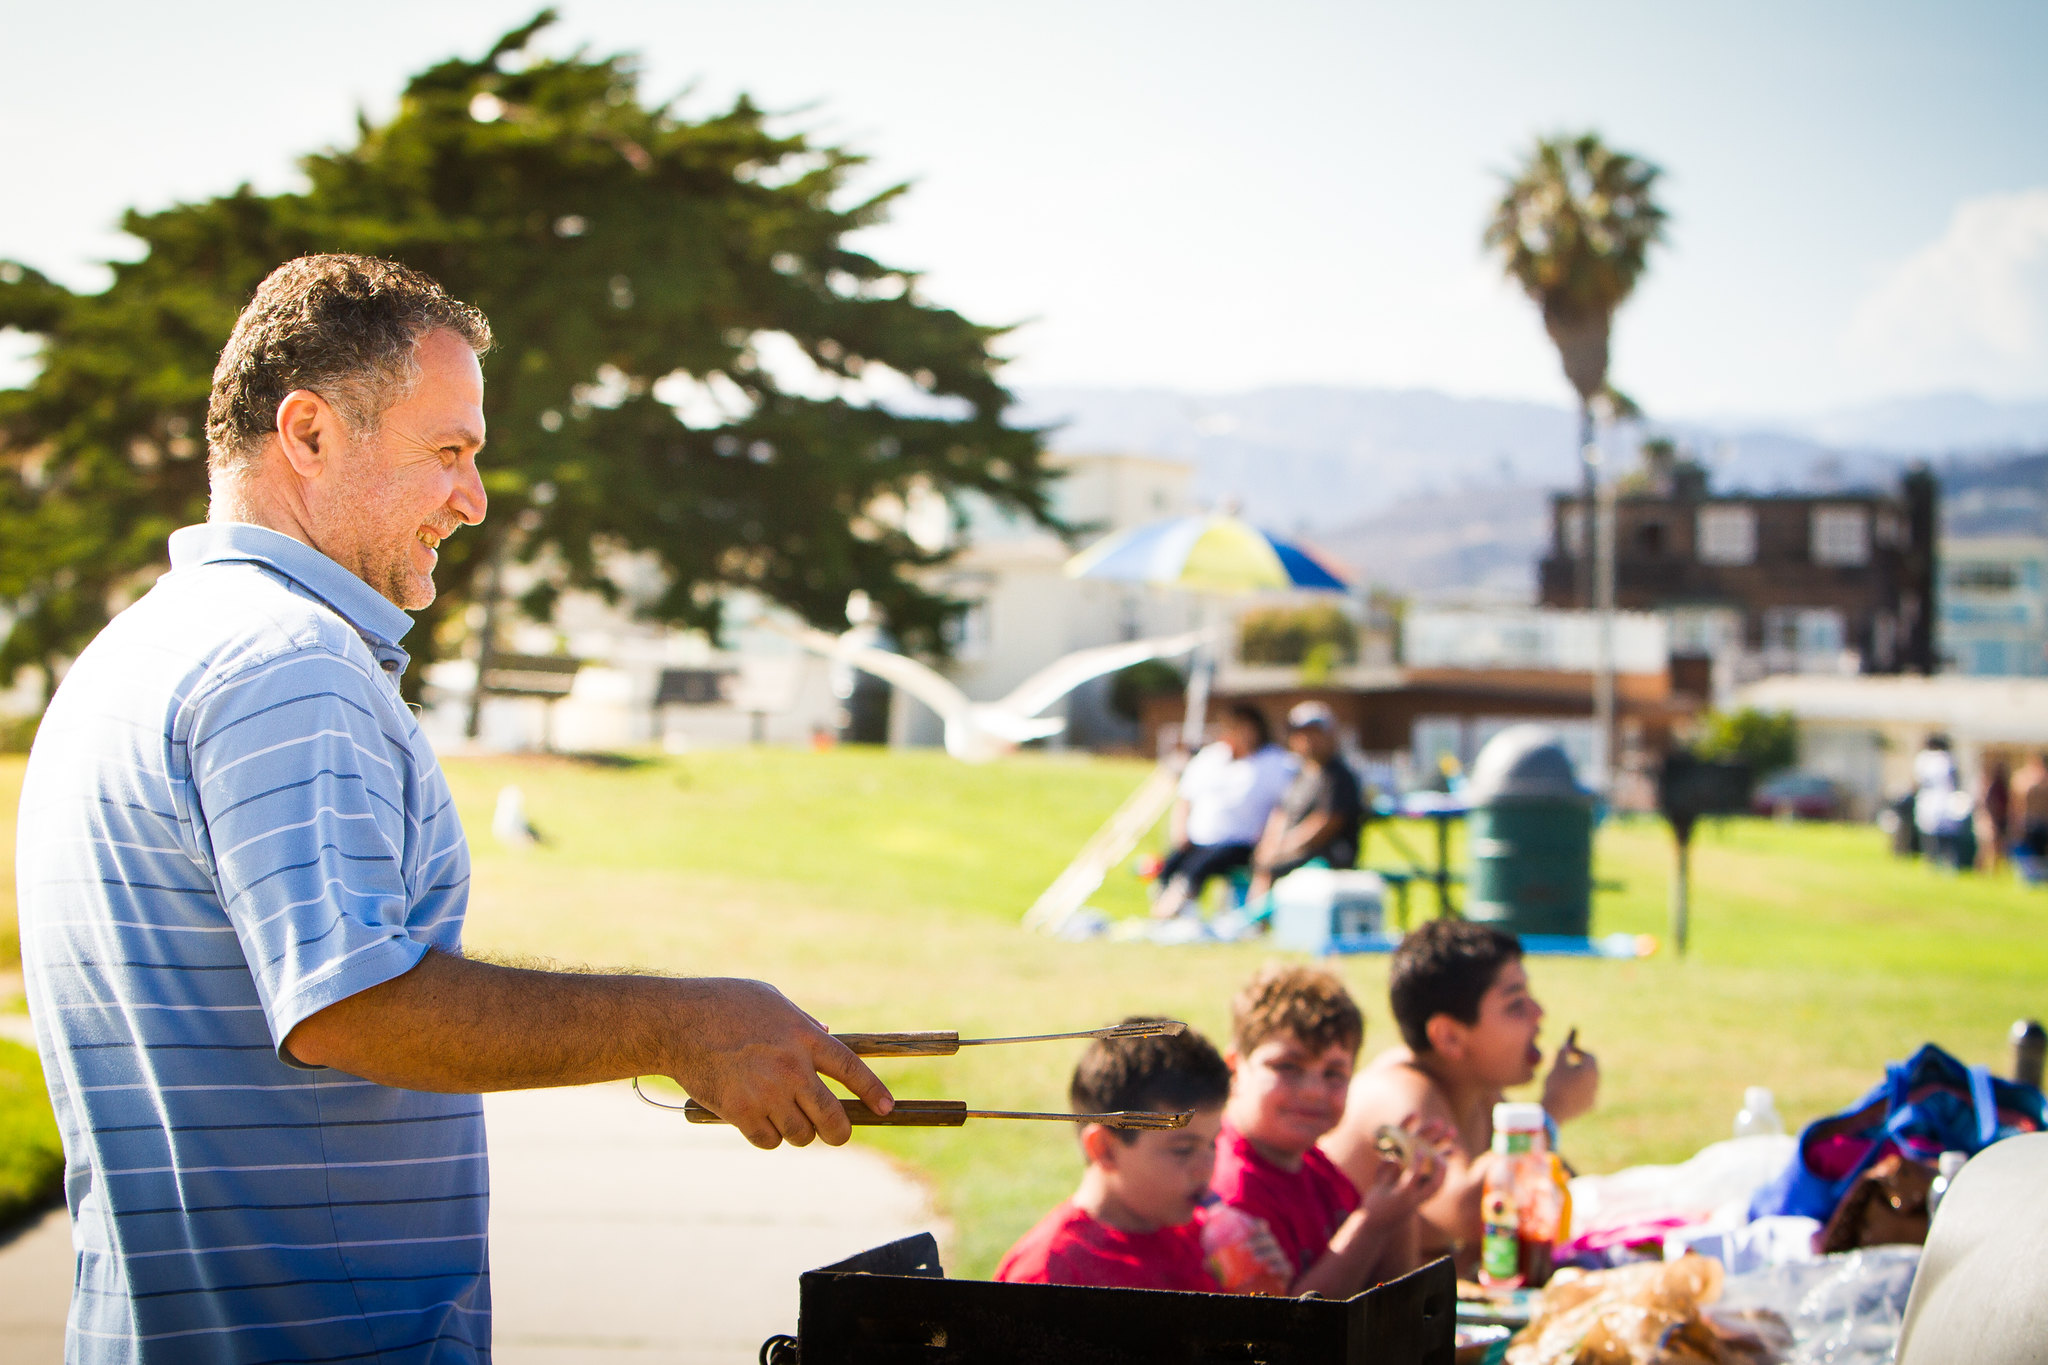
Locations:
{"points": [[1994, 815], [1934, 801], [2029, 812]]}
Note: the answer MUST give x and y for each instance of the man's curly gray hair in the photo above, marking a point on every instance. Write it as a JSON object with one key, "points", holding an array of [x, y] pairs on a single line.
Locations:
{"points": [[344, 327]]}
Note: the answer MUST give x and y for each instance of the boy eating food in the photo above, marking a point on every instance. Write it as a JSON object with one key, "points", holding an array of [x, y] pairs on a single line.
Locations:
{"points": [[1295, 1038], [1469, 1024], [1131, 1224]]}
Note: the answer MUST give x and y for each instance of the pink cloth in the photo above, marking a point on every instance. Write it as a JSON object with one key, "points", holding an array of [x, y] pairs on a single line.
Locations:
{"points": [[1303, 1207], [1643, 1232], [1070, 1247]]}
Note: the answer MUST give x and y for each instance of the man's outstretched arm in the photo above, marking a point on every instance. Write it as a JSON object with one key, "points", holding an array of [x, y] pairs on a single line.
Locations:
{"points": [[454, 1024]]}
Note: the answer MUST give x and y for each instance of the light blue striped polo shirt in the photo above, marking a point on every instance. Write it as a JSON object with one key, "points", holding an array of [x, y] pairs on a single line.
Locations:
{"points": [[230, 821]]}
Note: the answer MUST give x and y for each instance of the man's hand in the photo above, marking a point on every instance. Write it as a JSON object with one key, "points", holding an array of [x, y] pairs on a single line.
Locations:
{"points": [[1573, 1084], [456, 1025], [749, 1055]]}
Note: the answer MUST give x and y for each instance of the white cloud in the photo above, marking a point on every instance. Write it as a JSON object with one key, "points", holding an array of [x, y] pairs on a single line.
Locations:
{"points": [[1967, 311]]}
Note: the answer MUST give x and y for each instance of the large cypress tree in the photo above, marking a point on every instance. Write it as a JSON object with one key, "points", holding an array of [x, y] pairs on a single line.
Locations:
{"points": [[653, 281]]}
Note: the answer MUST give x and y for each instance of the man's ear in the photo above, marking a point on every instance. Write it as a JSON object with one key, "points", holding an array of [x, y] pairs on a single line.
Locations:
{"points": [[308, 431], [1099, 1145], [1446, 1037], [1230, 1059]]}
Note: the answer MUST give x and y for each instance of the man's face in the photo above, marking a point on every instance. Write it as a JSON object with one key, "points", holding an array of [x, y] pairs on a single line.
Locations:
{"points": [[1164, 1174], [1500, 1046], [1241, 737], [1284, 1096], [1312, 742], [380, 508]]}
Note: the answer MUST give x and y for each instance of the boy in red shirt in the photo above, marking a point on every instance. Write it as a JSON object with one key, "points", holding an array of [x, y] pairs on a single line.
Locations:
{"points": [[1131, 1223], [1295, 1038]]}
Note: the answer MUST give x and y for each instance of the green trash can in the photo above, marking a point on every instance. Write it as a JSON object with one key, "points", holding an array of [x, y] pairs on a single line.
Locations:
{"points": [[1529, 837]]}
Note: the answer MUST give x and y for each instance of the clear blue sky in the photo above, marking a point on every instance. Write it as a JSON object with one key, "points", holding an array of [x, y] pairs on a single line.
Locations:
{"points": [[1213, 196]]}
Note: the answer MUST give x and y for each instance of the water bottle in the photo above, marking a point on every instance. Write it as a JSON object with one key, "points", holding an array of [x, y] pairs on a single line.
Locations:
{"points": [[1945, 1176], [1758, 1116], [2029, 1050]]}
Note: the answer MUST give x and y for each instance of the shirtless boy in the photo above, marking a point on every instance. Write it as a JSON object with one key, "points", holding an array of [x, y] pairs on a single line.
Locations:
{"points": [[1461, 999]]}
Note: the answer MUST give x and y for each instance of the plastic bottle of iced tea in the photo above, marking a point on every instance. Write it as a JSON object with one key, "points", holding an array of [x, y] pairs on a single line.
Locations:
{"points": [[1521, 1206]]}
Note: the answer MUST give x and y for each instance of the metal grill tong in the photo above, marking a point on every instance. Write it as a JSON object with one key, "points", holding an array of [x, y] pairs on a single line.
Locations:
{"points": [[954, 1113]]}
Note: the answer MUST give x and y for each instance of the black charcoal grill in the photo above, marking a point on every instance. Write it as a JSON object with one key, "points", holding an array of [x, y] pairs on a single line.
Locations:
{"points": [[894, 1306]]}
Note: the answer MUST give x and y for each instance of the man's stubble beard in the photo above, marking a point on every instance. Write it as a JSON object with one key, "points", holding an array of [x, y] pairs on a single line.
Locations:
{"points": [[386, 566]]}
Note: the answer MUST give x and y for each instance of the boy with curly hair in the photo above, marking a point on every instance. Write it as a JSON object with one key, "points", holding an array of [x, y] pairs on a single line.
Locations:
{"points": [[1295, 1039]]}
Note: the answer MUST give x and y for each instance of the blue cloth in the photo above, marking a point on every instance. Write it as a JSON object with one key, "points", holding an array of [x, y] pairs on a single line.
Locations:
{"points": [[230, 821]]}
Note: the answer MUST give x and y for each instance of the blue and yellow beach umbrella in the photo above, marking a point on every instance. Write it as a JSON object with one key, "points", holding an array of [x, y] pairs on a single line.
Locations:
{"points": [[1211, 553]]}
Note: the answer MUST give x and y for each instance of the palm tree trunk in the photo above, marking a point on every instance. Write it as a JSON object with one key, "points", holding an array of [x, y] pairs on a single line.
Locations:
{"points": [[1588, 506]]}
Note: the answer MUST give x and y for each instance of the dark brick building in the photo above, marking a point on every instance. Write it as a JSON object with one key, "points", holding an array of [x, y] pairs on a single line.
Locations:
{"points": [[1786, 582]]}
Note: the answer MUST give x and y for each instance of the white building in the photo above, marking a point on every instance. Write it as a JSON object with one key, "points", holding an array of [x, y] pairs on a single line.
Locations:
{"points": [[1863, 731], [1531, 638]]}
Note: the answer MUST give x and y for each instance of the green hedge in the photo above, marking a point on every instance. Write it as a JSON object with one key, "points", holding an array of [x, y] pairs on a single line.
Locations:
{"points": [[31, 1157]]}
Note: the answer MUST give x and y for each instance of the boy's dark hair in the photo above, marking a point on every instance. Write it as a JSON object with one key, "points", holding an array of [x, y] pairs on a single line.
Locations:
{"points": [[1253, 718], [1167, 1074], [1443, 968], [1307, 1002]]}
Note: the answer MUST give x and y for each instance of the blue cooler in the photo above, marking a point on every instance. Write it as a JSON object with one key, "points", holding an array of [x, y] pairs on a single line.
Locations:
{"points": [[1314, 907]]}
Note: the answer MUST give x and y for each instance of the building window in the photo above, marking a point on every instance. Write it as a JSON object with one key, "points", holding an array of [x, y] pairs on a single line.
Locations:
{"points": [[1808, 631], [1727, 535], [1988, 659], [1572, 531], [1703, 630], [1650, 539], [1983, 577], [1841, 536]]}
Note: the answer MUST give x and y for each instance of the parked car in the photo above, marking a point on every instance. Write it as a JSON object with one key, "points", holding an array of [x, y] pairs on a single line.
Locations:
{"points": [[1802, 796]]}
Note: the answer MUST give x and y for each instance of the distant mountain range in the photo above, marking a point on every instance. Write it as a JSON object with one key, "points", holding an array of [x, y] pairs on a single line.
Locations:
{"points": [[1444, 496]]}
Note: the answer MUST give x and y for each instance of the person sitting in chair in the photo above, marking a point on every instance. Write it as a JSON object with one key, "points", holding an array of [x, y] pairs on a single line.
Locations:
{"points": [[1318, 818], [1226, 795]]}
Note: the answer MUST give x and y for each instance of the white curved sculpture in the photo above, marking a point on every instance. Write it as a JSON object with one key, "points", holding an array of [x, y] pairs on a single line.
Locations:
{"points": [[979, 731]]}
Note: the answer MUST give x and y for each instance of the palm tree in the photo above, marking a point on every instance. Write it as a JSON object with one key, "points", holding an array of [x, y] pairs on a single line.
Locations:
{"points": [[1574, 229]]}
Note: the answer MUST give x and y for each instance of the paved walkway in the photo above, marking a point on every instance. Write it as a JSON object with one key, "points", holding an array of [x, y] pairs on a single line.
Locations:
{"points": [[618, 1233]]}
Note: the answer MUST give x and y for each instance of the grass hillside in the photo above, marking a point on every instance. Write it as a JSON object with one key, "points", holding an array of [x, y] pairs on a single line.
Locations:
{"points": [[882, 891]]}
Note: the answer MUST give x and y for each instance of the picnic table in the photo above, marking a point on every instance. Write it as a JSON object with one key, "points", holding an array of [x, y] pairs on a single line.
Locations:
{"points": [[1440, 808]]}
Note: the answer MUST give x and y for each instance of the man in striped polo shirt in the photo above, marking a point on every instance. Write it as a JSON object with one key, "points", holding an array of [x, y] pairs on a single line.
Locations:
{"points": [[242, 885]]}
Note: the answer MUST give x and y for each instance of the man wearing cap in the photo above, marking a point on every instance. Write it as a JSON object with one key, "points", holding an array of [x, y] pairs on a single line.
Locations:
{"points": [[1319, 816]]}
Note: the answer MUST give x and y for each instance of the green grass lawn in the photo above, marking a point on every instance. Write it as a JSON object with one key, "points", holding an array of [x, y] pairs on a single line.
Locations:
{"points": [[11, 766], [31, 1157], [882, 891]]}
